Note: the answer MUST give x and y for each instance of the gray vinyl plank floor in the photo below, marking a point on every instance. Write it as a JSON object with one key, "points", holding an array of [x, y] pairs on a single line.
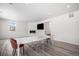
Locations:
{"points": [[6, 50]]}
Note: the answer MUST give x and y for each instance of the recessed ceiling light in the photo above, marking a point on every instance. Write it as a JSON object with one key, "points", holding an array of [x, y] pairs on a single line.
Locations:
{"points": [[68, 6]]}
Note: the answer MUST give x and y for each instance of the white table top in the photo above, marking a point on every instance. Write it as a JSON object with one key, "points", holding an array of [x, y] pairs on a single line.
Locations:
{"points": [[30, 39]]}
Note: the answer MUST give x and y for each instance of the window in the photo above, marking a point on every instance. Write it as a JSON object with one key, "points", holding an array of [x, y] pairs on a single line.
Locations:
{"points": [[12, 25]]}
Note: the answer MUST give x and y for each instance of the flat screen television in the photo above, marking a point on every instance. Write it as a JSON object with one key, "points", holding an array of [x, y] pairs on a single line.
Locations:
{"points": [[40, 26]]}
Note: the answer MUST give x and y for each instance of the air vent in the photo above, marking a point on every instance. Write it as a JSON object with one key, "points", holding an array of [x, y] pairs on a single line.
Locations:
{"points": [[71, 15]]}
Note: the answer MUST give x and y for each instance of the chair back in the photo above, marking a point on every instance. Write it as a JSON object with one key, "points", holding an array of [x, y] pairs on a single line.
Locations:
{"points": [[13, 43]]}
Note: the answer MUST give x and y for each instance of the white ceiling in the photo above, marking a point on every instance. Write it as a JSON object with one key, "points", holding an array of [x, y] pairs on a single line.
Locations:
{"points": [[35, 11]]}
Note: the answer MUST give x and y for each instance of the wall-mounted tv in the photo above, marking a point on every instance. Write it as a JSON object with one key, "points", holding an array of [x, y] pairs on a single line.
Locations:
{"points": [[40, 26]]}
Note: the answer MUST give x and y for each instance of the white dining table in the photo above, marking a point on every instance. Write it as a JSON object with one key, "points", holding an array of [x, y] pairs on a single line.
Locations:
{"points": [[25, 40]]}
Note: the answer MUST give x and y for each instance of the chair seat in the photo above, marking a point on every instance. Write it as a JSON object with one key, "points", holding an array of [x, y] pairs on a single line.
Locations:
{"points": [[21, 45], [15, 45]]}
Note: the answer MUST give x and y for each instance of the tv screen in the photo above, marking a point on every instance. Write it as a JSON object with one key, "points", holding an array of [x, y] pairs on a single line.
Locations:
{"points": [[40, 26]]}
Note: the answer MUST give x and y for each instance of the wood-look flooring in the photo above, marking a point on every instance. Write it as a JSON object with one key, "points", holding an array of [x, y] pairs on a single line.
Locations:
{"points": [[6, 50]]}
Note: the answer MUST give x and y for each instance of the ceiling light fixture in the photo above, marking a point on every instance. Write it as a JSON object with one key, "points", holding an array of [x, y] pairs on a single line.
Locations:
{"points": [[68, 6]]}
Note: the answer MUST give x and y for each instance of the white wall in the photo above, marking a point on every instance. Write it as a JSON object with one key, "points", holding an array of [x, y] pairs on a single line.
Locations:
{"points": [[33, 26], [47, 28], [66, 29], [20, 31]]}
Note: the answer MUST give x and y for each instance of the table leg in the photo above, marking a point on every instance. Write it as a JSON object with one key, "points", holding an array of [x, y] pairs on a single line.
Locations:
{"points": [[18, 50]]}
